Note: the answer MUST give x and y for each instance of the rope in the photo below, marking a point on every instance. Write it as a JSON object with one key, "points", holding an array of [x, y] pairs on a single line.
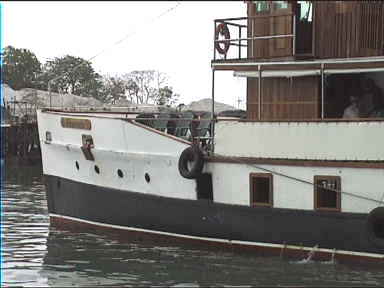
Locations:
{"points": [[305, 181]]}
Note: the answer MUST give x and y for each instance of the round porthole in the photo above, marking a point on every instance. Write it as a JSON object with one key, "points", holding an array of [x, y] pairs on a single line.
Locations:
{"points": [[120, 173], [97, 170], [147, 178], [77, 165]]}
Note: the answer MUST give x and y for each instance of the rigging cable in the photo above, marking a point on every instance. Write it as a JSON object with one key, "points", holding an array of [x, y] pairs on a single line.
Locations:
{"points": [[116, 43]]}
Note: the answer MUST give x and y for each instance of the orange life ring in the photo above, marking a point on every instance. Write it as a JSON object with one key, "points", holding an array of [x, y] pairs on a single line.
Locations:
{"points": [[222, 29]]}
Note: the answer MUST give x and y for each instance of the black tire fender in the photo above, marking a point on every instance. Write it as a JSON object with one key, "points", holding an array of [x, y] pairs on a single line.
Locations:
{"points": [[375, 227], [194, 156]]}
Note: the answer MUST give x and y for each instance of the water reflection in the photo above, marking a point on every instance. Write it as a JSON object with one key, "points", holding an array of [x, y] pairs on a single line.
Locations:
{"points": [[37, 254], [24, 224]]}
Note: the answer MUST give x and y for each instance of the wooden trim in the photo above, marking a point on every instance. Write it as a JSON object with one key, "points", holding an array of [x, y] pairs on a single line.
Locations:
{"points": [[338, 194], [295, 162], [335, 63], [269, 176], [75, 123], [353, 65], [327, 120], [278, 67]]}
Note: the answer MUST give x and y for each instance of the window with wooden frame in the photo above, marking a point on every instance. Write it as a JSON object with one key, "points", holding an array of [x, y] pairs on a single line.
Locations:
{"points": [[261, 189], [327, 193], [262, 6]]}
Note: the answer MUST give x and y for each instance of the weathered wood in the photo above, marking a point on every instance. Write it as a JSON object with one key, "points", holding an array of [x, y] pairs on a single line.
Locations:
{"points": [[349, 29], [284, 98]]}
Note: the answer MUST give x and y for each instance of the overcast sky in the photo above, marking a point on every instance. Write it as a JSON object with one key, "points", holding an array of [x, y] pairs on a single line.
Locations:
{"points": [[173, 37]]}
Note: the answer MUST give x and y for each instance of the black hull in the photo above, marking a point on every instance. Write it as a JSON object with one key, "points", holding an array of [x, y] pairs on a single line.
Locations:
{"points": [[201, 218]]}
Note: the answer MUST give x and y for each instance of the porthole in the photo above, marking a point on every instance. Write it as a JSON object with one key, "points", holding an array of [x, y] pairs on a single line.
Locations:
{"points": [[120, 173], [97, 170], [77, 165], [147, 178]]}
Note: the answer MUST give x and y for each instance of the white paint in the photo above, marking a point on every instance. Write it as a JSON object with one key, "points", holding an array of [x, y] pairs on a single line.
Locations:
{"points": [[279, 73], [118, 145], [301, 140], [136, 150], [317, 61], [218, 240], [231, 185]]}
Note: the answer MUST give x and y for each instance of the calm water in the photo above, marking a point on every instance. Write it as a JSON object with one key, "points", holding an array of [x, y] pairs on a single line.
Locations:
{"points": [[35, 254]]}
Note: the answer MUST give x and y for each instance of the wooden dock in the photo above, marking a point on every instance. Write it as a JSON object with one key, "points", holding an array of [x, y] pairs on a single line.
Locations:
{"points": [[19, 134]]}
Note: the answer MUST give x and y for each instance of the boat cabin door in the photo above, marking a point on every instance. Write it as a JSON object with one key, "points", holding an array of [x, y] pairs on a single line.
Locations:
{"points": [[304, 28], [270, 19]]}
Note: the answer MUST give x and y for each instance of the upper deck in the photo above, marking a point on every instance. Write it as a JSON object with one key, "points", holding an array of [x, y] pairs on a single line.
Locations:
{"points": [[297, 30]]}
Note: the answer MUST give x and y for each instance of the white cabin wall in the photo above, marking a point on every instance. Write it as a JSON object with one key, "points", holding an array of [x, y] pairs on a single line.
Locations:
{"points": [[301, 140], [231, 185]]}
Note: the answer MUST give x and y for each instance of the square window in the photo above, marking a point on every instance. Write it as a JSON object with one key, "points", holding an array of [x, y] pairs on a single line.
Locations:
{"points": [[261, 189], [262, 6], [281, 5], [327, 193]]}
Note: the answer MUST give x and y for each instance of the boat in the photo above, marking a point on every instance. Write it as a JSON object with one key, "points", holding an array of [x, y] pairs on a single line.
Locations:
{"points": [[294, 176]]}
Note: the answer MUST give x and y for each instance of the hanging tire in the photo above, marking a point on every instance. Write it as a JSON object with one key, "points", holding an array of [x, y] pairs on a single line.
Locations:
{"points": [[375, 227], [194, 156]]}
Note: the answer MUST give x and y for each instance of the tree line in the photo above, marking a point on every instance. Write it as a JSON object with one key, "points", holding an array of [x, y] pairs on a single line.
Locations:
{"points": [[74, 75]]}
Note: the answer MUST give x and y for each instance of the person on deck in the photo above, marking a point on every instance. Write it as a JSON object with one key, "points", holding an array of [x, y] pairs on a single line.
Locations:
{"points": [[369, 99], [378, 112], [352, 111]]}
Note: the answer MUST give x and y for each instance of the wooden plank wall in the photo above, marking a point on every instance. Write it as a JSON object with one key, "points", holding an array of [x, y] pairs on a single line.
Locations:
{"points": [[252, 99], [347, 29], [269, 23], [284, 98]]}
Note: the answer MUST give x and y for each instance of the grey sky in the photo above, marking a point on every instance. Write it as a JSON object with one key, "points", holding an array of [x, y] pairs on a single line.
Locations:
{"points": [[179, 43]]}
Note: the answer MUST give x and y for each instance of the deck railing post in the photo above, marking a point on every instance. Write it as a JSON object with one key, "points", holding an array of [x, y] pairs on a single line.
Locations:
{"points": [[322, 90], [213, 113], [259, 92], [214, 40], [294, 35], [49, 93], [239, 42], [252, 35]]}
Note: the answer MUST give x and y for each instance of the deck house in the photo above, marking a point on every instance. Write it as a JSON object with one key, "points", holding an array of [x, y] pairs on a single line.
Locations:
{"points": [[304, 59]]}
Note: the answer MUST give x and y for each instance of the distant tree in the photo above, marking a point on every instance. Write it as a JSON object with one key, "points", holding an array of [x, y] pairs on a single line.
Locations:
{"points": [[74, 75], [20, 68], [132, 90], [114, 89], [149, 86], [166, 96], [141, 85]]}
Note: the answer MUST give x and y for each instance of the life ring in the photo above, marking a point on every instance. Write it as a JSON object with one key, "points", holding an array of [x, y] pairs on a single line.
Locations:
{"points": [[375, 227], [222, 29], [194, 156]]}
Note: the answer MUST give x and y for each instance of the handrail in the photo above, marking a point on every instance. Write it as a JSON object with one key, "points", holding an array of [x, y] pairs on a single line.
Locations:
{"points": [[250, 39]]}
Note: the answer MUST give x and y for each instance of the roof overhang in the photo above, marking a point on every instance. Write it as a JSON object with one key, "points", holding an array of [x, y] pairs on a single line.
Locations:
{"points": [[277, 73]]}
